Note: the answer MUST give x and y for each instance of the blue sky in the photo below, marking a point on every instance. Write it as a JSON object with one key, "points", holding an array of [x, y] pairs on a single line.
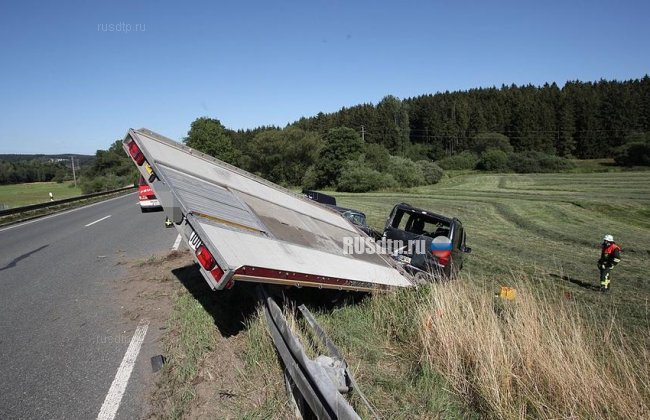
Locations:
{"points": [[71, 83]]}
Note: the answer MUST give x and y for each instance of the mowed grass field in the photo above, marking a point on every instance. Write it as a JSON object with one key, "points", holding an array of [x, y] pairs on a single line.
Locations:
{"points": [[560, 349], [546, 224], [17, 195]]}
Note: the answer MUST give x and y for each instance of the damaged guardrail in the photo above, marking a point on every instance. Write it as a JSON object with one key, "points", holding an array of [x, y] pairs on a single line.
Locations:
{"points": [[319, 383]]}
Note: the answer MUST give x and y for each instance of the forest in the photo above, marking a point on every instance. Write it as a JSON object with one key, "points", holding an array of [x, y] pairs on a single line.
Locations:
{"points": [[582, 119], [512, 129], [403, 143], [16, 169]]}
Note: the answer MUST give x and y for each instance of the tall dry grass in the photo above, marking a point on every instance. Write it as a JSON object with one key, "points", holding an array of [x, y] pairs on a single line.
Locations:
{"points": [[539, 356]]}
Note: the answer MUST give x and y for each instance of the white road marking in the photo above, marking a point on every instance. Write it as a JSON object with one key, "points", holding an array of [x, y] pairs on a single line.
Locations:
{"points": [[98, 220], [177, 243], [64, 212], [116, 392]]}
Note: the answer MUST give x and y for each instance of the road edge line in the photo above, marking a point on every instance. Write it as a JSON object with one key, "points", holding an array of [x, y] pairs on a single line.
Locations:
{"points": [[116, 392]]}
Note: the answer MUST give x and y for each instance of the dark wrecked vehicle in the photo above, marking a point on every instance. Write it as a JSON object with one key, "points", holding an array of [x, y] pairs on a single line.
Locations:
{"points": [[358, 218], [428, 244]]}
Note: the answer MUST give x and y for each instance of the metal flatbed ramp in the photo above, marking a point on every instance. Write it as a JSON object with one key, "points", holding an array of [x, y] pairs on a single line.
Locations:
{"points": [[245, 228]]}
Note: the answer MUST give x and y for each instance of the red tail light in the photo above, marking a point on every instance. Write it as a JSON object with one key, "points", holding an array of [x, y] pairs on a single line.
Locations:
{"points": [[136, 154], [442, 255], [205, 258], [217, 273]]}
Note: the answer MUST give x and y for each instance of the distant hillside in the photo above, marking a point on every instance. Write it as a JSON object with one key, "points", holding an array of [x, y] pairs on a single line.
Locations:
{"points": [[81, 159], [16, 169]]}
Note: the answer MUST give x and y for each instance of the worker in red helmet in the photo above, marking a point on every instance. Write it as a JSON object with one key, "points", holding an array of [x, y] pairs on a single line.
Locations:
{"points": [[610, 255]]}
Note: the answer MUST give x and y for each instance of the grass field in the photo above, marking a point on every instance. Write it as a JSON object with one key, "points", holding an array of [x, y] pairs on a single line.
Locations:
{"points": [[561, 349], [550, 224], [17, 195], [538, 233]]}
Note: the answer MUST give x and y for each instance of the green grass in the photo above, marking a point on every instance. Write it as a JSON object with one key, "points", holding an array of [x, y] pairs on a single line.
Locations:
{"points": [[544, 223], [194, 337], [544, 228], [377, 338], [539, 233], [17, 195]]}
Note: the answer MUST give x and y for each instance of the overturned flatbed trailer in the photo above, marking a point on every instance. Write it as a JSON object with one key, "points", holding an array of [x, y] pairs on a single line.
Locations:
{"points": [[244, 228]]}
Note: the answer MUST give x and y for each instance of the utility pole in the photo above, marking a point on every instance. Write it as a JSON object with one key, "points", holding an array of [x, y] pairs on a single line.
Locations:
{"points": [[363, 133], [74, 175]]}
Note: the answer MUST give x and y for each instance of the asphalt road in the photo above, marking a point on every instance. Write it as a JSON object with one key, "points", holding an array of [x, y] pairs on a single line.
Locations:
{"points": [[62, 333]]}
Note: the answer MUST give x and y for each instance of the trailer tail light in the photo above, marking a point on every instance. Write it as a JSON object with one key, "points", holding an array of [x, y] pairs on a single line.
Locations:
{"points": [[217, 273], [205, 258], [443, 256], [136, 153], [208, 263]]}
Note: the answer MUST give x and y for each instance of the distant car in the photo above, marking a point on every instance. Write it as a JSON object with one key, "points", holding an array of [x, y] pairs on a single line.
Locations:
{"points": [[146, 196], [357, 217], [443, 237], [359, 220], [319, 197]]}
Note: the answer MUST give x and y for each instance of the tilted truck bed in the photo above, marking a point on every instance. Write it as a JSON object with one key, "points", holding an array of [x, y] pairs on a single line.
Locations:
{"points": [[244, 228]]}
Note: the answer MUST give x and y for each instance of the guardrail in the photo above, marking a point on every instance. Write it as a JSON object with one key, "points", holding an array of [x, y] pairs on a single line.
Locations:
{"points": [[39, 206], [315, 385]]}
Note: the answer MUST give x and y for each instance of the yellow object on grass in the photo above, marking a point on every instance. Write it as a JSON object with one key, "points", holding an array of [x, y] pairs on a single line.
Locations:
{"points": [[507, 293]]}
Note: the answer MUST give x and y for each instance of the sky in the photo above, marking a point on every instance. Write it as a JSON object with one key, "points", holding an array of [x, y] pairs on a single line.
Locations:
{"points": [[76, 75]]}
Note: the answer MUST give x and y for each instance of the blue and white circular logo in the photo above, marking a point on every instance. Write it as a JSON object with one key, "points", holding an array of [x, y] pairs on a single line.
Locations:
{"points": [[441, 243]]}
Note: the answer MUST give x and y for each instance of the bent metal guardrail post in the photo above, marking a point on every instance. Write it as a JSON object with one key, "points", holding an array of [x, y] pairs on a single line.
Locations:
{"points": [[336, 355], [244, 228], [313, 382]]}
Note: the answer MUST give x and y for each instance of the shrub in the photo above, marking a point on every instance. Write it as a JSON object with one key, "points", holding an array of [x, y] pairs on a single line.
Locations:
{"points": [[493, 160], [463, 160], [309, 180], [636, 150], [432, 172], [103, 183], [376, 156], [406, 172], [485, 141], [523, 163], [420, 151], [357, 177], [533, 161], [341, 144]]}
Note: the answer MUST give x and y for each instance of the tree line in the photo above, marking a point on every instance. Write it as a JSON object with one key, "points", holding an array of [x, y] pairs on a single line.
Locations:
{"points": [[403, 143], [513, 128], [581, 119], [111, 169], [35, 170]]}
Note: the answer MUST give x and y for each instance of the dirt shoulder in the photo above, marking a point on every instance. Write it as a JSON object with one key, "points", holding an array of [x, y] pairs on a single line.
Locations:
{"points": [[220, 362]]}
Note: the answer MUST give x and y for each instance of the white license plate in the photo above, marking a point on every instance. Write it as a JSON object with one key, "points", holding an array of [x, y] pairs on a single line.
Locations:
{"points": [[194, 241]]}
